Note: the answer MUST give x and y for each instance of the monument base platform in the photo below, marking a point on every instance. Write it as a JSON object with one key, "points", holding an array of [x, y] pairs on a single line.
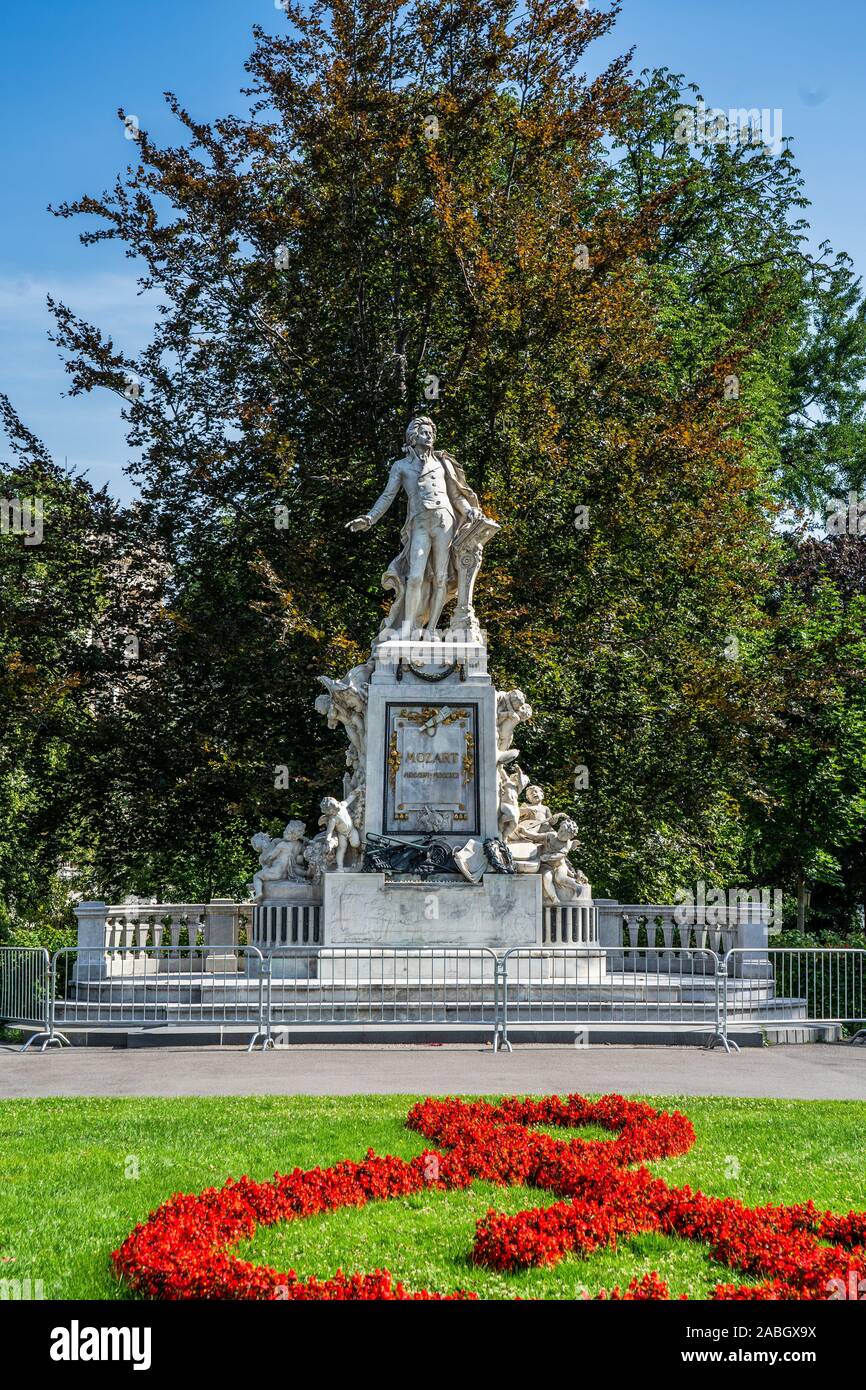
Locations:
{"points": [[367, 910]]}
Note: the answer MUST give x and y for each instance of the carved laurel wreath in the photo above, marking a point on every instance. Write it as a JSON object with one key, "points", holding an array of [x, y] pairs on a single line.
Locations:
{"points": [[427, 676]]}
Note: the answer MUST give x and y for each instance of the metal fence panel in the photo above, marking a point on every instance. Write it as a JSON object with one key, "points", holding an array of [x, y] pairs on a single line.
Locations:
{"points": [[25, 987], [547, 989], [333, 987], [794, 985], [160, 987]]}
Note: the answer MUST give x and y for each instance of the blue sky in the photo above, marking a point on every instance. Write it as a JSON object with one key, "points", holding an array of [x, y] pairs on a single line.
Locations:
{"points": [[66, 68]]}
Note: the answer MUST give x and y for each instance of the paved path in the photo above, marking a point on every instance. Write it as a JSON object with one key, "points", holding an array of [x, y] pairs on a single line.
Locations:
{"points": [[810, 1073]]}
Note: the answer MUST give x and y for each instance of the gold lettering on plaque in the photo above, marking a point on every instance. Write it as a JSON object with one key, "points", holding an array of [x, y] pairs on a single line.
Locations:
{"points": [[469, 757], [394, 760]]}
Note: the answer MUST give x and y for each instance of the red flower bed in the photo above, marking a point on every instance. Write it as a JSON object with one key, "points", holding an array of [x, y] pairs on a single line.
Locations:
{"points": [[181, 1251]]}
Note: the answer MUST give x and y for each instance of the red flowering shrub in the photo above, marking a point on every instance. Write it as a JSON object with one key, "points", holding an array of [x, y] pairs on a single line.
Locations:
{"points": [[181, 1251], [646, 1288]]}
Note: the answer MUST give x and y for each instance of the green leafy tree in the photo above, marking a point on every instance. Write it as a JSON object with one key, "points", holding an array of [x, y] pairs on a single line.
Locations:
{"points": [[812, 817], [51, 575], [439, 209]]}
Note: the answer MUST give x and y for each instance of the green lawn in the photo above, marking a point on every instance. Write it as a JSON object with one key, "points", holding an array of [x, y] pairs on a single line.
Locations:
{"points": [[78, 1174]]}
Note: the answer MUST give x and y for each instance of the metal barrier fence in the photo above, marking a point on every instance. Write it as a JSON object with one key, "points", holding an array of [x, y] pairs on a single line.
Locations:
{"points": [[811, 985], [402, 987], [526, 991], [25, 990], [628, 988], [198, 986]]}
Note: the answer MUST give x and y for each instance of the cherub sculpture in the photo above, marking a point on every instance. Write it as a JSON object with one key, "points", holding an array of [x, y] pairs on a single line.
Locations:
{"points": [[512, 708], [346, 703], [511, 784], [341, 833], [535, 819], [281, 857], [560, 881]]}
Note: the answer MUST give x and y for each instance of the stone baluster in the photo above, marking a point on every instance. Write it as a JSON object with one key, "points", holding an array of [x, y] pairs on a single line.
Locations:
{"points": [[110, 927], [142, 931], [722, 932], [175, 922], [118, 926], [197, 932], [126, 926]]}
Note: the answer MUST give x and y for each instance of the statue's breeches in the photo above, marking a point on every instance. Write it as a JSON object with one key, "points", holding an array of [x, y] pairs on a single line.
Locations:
{"points": [[432, 519], [430, 544]]}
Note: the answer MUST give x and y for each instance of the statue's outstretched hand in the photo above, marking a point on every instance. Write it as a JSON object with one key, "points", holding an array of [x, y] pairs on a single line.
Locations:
{"points": [[359, 523]]}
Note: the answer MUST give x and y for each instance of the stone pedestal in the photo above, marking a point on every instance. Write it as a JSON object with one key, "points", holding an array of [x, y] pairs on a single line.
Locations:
{"points": [[431, 741], [220, 931], [368, 910], [753, 935], [91, 962], [431, 768]]}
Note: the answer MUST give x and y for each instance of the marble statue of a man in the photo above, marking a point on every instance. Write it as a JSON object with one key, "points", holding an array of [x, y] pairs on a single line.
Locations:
{"points": [[424, 576]]}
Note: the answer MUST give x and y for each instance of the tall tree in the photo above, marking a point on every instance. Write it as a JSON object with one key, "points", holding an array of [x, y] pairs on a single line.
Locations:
{"points": [[435, 207], [809, 824], [54, 540]]}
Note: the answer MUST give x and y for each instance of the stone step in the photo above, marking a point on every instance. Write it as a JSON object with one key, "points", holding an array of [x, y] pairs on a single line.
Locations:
{"points": [[202, 988], [341, 1012], [746, 1036]]}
